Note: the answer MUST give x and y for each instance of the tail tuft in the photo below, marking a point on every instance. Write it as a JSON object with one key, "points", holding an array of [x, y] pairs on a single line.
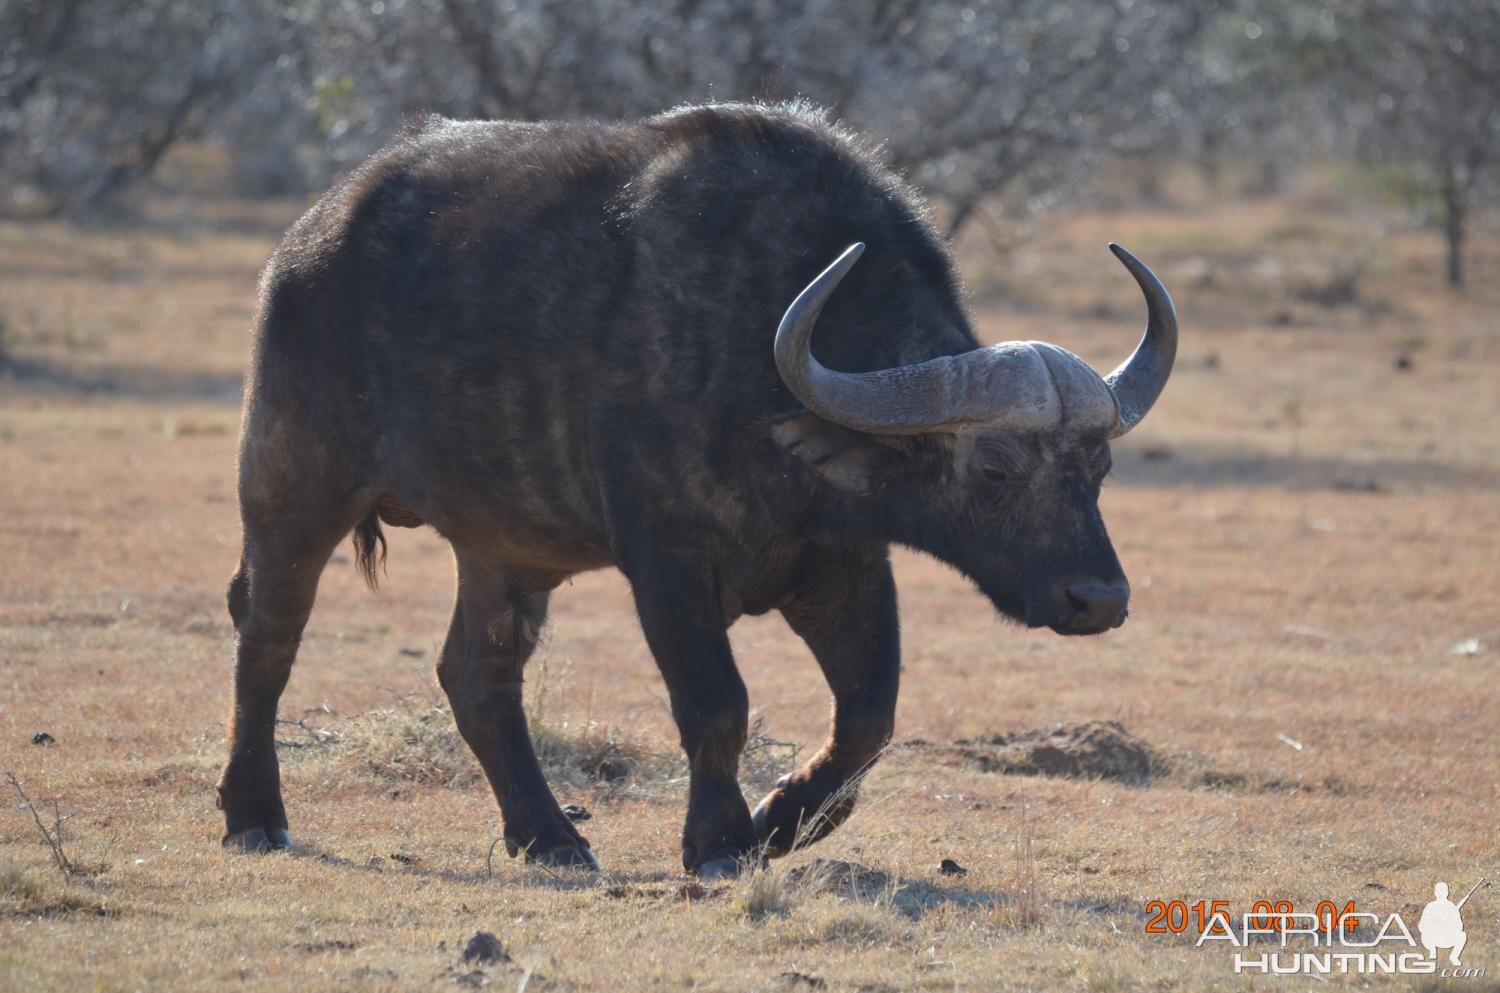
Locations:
{"points": [[369, 549]]}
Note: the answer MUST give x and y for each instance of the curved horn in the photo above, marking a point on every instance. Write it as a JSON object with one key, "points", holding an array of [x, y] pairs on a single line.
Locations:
{"points": [[979, 386], [1139, 379]]}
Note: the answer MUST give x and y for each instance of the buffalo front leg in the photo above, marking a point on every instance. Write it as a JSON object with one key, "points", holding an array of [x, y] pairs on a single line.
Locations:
{"points": [[496, 622], [846, 612], [684, 626]]}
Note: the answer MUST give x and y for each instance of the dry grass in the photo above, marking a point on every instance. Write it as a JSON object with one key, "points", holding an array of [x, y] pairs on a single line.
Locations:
{"points": [[415, 741], [50, 827], [1310, 523], [28, 892]]}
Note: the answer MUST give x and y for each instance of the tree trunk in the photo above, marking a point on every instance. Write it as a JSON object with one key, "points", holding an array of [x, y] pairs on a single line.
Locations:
{"points": [[1269, 178], [1210, 163], [963, 210], [1455, 209], [141, 159]]}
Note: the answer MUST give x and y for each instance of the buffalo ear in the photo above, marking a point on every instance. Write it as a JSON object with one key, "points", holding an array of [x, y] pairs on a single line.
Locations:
{"points": [[851, 461]]}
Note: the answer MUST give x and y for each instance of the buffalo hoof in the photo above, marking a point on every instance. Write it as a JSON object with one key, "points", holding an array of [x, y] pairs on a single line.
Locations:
{"points": [[258, 840], [799, 812], [717, 870], [561, 857], [760, 817], [580, 859], [777, 839]]}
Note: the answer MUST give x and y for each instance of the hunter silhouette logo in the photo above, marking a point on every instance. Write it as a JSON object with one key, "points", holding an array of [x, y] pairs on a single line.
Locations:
{"points": [[1441, 925], [1347, 941]]}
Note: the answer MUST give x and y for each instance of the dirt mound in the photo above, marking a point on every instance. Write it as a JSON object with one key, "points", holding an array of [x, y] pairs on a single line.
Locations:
{"points": [[856, 883], [1090, 750], [849, 880]]}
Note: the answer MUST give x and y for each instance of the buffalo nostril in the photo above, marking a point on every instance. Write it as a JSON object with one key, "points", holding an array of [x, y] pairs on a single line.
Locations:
{"points": [[1099, 603]]}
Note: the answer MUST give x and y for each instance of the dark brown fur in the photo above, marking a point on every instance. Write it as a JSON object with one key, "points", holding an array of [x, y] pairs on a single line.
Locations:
{"points": [[552, 344]]}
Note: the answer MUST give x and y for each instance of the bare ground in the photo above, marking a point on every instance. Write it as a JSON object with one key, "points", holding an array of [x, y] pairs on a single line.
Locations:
{"points": [[1310, 523]]}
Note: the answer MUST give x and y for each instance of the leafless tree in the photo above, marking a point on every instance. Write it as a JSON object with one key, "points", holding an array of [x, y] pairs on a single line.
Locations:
{"points": [[1419, 85], [969, 97], [94, 92], [973, 98]]}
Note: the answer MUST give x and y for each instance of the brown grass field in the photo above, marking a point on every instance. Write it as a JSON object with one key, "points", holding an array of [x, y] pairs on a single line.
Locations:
{"points": [[1310, 520]]}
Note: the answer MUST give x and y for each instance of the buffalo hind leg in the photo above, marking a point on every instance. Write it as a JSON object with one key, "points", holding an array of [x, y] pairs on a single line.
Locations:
{"points": [[496, 621], [684, 625], [270, 598], [846, 612]]}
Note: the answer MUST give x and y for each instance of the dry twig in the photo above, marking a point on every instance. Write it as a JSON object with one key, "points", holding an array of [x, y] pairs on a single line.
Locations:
{"points": [[52, 835]]}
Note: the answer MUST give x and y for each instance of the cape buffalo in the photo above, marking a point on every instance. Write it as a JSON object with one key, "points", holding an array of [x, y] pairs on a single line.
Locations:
{"points": [[567, 346]]}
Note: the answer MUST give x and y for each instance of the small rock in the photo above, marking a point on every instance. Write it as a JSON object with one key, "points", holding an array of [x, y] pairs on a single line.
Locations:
{"points": [[799, 980], [948, 867], [1402, 363], [405, 858], [484, 949], [43, 738], [412, 653], [576, 812], [1157, 453], [1469, 646]]}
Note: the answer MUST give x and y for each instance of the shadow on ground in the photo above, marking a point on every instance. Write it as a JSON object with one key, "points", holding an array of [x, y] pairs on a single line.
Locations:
{"points": [[1202, 467], [136, 383]]}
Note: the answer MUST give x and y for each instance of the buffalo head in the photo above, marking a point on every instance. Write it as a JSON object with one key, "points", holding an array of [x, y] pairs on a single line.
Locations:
{"points": [[991, 460]]}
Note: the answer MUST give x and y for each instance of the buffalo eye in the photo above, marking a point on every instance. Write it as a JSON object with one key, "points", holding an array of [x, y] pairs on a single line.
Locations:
{"points": [[995, 475]]}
